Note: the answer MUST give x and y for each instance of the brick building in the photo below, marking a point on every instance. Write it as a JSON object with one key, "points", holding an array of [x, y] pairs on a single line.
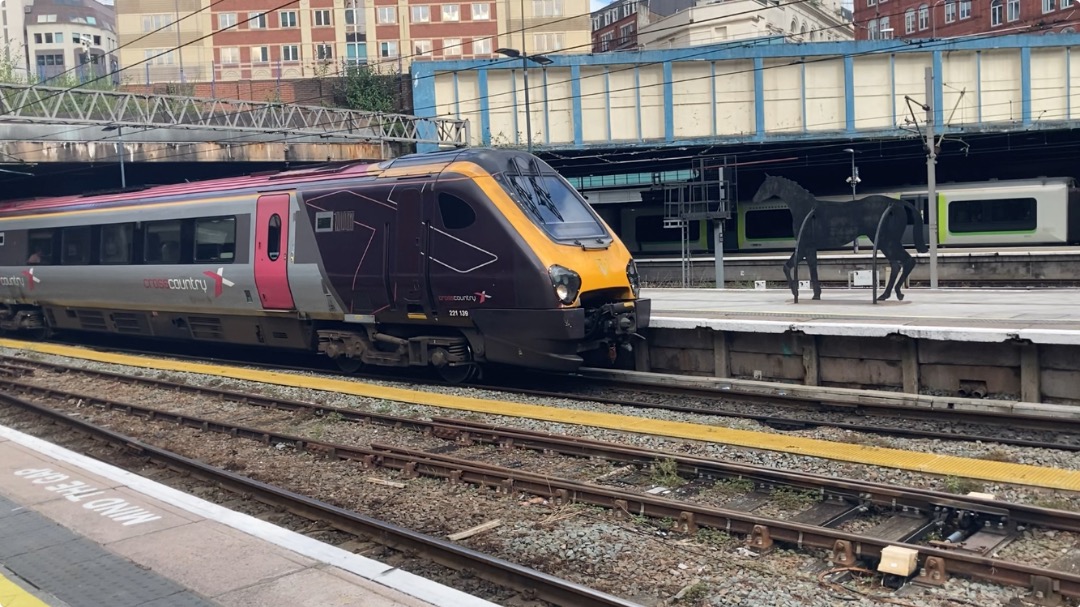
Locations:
{"points": [[646, 24], [313, 38], [880, 19]]}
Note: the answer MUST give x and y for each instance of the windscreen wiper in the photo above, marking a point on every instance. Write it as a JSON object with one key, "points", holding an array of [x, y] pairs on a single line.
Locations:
{"points": [[523, 193], [541, 191]]}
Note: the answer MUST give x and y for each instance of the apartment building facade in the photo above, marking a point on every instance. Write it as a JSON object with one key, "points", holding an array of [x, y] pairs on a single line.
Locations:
{"points": [[58, 41], [645, 24], [251, 41], [883, 19]]}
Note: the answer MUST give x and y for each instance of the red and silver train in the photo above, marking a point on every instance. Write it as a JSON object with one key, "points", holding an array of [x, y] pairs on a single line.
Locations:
{"points": [[452, 259]]}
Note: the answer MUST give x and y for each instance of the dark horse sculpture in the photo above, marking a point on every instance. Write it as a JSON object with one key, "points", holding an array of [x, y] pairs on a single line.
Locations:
{"points": [[834, 224]]}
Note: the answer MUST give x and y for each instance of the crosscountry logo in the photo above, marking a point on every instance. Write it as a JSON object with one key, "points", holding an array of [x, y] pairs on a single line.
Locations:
{"points": [[219, 280], [30, 278]]}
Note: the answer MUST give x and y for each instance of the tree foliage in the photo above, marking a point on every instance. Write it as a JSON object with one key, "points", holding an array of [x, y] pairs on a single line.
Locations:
{"points": [[362, 88]]}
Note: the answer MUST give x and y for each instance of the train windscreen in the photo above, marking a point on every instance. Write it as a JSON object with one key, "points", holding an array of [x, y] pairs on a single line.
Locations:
{"points": [[554, 205]]}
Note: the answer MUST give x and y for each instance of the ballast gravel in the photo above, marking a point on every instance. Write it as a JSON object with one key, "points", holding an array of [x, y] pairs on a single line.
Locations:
{"points": [[635, 560]]}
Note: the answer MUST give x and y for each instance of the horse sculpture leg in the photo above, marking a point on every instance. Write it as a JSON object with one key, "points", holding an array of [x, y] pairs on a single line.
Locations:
{"points": [[893, 255], [811, 262], [791, 273], [908, 263]]}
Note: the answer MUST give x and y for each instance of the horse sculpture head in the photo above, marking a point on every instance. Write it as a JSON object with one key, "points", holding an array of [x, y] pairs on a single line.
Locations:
{"points": [[770, 188]]}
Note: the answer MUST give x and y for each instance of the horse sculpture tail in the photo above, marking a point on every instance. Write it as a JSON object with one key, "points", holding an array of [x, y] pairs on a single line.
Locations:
{"points": [[920, 238]]}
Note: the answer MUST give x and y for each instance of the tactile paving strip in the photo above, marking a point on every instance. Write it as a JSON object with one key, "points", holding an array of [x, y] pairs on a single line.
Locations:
{"points": [[78, 571]]}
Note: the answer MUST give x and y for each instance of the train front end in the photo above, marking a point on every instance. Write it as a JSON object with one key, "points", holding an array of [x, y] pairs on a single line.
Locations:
{"points": [[578, 291]]}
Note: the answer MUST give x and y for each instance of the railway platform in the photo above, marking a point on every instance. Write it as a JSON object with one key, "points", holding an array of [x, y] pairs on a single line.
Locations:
{"points": [[76, 532], [1020, 344]]}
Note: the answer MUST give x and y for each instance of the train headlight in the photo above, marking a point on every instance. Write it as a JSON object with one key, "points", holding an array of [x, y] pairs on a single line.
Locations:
{"points": [[566, 283], [632, 276]]}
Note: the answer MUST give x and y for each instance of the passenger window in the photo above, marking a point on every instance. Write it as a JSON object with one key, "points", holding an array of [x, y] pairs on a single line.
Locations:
{"points": [[116, 242], [162, 243], [76, 246], [215, 239], [273, 238], [456, 213], [41, 247]]}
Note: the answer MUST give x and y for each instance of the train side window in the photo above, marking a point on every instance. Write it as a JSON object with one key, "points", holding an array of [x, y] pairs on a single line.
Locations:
{"points": [[41, 249], [273, 238], [76, 246], [215, 239], [769, 224], [1002, 215], [456, 213], [116, 243], [161, 242]]}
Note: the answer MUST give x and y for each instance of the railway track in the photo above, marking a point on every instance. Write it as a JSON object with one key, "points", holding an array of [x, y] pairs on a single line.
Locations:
{"points": [[970, 529], [524, 580], [774, 408]]}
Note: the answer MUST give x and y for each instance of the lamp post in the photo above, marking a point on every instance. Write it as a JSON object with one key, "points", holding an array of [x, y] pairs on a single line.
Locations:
{"points": [[120, 137], [525, 59], [854, 181]]}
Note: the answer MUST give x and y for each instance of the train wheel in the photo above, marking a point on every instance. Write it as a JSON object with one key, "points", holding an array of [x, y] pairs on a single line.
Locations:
{"points": [[457, 374], [348, 364]]}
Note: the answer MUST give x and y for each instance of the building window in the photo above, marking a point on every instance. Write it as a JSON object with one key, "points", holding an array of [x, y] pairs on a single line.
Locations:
{"points": [[1048, 6], [260, 54], [287, 18], [257, 21], [322, 18], [871, 2], [324, 52], [605, 41], [551, 8], [422, 48], [387, 14], [50, 60], [1014, 10], [46, 18], [626, 32], [37, 38], [871, 29], [924, 17], [154, 23], [388, 49], [950, 11], [421, 14], [451, 47], [548, 42], [965, 9], [451, 12], [481, 46], [997, 12], [1066, 4], [481, 12], [230, 55], [909, 21], [884, 29], [225, 20], [290, 52]]}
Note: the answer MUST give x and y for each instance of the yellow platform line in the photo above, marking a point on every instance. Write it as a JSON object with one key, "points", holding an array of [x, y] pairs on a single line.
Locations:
{"points": [[13, 595], [946, 465]]}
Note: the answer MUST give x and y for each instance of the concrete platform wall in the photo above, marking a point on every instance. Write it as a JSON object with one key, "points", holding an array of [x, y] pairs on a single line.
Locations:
{"points": [[1012, 370]]}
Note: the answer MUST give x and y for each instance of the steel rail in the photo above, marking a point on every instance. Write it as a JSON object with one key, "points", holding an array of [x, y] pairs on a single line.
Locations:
{"points": [[505, 573], [780, 423], [915, 499], [761, 531]]}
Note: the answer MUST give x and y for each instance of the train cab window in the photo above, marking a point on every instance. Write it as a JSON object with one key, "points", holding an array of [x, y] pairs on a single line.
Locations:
{"points": [[76, 246], [273, 238], [116, 243], [41, 249], [215, 239], [162, 242], [456, 213], [769, 224], [1002, 215], [551, 203]]}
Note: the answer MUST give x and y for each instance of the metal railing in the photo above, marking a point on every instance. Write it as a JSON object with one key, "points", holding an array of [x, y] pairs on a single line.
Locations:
{"points": [[20, 103]]}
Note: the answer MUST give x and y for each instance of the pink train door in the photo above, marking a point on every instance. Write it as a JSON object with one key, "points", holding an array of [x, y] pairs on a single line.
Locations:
{"points": [[271, 252]]}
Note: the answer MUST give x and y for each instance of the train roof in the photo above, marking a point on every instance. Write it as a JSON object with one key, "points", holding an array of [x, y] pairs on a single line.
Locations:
{"points": [[267, 181]]}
